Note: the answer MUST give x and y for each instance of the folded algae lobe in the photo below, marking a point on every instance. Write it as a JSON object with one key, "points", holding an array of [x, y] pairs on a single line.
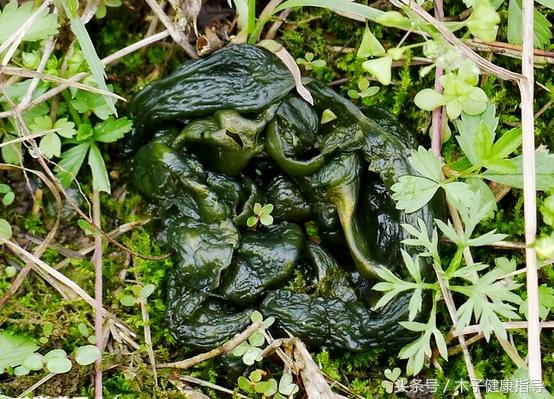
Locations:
{"points": [[223, 133]]}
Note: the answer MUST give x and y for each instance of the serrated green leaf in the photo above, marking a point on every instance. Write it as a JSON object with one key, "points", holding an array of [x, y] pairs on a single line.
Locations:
{"points": [[426, 163], [13, 17], [111, 129], [412, 192], [65, 128]]}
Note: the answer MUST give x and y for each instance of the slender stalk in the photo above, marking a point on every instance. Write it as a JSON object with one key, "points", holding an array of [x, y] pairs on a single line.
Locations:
{"points": [[98, 320], [529, 192]]}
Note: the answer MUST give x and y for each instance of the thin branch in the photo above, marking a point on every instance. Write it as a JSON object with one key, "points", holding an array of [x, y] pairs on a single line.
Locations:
{"points": [[227, 347], [27, 73], [177, 35], [449, 301], [198, 381], [526, 88], [134, 47], [508, 325], [484, 64], [98, 322]]}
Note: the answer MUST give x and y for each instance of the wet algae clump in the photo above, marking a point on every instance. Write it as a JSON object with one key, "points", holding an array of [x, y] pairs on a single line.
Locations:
{"points": [[223, 133]]}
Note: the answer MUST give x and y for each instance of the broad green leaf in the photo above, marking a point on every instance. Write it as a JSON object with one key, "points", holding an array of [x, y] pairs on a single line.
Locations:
{"points": [[70, 163], [85, 101], [5, 229], [111, 129], [244, 384], [380, 68], [87, 354], [429, 99], [100, 180], [14, 349], [542, 33], [8, 198], [13, 17], [370, 46]]}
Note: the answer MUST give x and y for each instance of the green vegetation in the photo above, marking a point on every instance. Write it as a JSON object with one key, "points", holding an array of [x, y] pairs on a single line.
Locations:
{"points": [[389, 61]]}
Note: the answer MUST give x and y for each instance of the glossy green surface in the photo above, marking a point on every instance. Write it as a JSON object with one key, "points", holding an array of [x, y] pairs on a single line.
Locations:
{"points": [[225, 132]]}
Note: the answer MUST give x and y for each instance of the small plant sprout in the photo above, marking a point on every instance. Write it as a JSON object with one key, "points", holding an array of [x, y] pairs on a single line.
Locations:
{"points": [[139, 293], [309, 63], [250, 350], [262, 214], [364, 90]]}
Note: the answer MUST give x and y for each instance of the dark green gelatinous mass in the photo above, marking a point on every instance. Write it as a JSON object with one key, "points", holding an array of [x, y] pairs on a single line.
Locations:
{"points": [[223, 133]]}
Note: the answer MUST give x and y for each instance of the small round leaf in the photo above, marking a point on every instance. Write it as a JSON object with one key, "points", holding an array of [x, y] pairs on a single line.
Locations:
{"points": [[128, 300], [33, 362], [55, 353], [5, 230], [87, 354], [147, 290], [59, 365], [20, 371]]}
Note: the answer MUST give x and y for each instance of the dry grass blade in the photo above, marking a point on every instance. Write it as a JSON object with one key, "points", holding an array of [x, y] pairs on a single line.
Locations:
{"points": [[27, 73], [98, 320], [227, 347], [526, 88]]}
